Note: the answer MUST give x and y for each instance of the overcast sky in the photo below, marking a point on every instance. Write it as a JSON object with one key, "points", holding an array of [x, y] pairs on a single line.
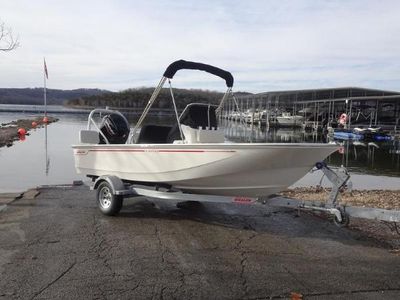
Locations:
{"points": [[267, 45]]}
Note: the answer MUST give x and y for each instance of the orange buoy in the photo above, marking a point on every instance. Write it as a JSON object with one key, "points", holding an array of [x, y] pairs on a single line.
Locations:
{"points": [[296, 296], [34, 124], [45, 120], [21, 131], [22, 137]]}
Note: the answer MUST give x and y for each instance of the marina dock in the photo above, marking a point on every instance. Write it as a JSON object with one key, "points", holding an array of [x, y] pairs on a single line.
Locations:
{"points": [[318, 109]]}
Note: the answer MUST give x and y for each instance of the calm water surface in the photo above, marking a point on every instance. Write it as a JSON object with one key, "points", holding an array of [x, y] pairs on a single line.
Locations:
{"points": [[45, 157], [27, 164]]}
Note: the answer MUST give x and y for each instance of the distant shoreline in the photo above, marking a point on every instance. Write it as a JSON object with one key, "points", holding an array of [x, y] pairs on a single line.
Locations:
{"points": [[40, 109], [78, 109]]}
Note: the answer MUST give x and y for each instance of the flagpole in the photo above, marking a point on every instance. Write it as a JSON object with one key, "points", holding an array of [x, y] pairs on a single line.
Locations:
{"points": [[47, 162], [44, 89]]}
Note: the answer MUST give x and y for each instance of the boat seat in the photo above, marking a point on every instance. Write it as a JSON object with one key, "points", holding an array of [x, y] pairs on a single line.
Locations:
{"points": [[194, 136], [89, 137], [153, 134]]}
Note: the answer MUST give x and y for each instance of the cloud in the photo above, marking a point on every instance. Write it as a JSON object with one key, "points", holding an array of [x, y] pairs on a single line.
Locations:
{"points": [[267, 45]]}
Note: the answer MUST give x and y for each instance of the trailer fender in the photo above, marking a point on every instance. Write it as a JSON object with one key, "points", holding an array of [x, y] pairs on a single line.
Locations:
{"points": [[114, 181]]}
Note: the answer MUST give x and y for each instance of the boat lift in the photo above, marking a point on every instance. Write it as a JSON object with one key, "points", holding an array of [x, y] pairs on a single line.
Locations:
{"points": [[111, 190]]}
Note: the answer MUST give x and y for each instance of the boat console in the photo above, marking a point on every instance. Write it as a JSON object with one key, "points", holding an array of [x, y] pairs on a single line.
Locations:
{"points": [[198, 123]]}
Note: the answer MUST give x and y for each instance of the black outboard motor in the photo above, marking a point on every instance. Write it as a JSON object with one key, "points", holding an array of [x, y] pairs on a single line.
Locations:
{"points": [[115, 128]]}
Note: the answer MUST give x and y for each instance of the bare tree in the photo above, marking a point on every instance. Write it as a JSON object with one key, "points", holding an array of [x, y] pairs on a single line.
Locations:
{"points": [[7, 40]]}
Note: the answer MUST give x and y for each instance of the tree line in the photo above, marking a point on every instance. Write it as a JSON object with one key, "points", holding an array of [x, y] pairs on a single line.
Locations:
{"points": [[137, 98], [34, 96]]}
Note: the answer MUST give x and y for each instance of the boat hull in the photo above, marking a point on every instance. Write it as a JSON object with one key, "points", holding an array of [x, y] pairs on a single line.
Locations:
{"points": [[347, 135], [219, 169], [290, 121]]}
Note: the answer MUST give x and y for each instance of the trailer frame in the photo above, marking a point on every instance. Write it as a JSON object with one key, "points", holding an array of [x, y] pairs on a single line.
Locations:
{"points": [[111, 191]]}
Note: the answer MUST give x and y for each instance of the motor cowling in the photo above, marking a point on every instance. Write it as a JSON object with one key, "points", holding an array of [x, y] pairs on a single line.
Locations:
{"points": [[115, 129]]}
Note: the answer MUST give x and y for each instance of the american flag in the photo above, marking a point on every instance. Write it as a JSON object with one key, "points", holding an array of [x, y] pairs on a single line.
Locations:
{"points": [[45, 69]]}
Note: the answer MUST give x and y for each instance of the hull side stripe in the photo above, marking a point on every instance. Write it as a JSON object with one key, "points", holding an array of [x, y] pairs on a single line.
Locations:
{"points": [[160, 150]]}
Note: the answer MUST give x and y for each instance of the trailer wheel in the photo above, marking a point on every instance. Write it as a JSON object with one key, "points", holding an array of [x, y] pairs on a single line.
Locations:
{"points": [[345, 219], [109, 204]]}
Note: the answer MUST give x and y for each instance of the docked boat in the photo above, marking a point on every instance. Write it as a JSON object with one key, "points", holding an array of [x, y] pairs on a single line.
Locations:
{"points": [[367, 134], [347, 134], [288, 120], [373, 134], [191, 156]]}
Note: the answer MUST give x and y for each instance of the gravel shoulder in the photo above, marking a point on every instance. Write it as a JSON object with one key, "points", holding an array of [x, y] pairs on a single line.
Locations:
{"points": [[386, 199]]}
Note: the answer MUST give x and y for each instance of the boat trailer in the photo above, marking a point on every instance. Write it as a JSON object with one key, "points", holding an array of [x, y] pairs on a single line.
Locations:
{"points": [[111, 190]]}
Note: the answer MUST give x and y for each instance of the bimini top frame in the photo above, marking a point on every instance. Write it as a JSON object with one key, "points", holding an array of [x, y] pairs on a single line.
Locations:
{"points": [[169, 74]]}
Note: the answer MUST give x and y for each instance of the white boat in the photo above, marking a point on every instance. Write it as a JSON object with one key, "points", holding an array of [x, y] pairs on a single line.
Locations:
{"points": [[191, 156], [249, 116], [307, 111], [218, 169], [286, 119]]}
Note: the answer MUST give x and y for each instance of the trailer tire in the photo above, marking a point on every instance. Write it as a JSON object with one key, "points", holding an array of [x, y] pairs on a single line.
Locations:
{"points": [[109, 203], [345, 219]]}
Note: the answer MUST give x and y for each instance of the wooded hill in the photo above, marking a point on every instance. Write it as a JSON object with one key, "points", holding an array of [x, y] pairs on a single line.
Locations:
{"points": [[138, 98], [34, 96]]}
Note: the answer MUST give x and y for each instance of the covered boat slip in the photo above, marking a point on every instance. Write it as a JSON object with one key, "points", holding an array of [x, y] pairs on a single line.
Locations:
{"points": [[320, 107]]}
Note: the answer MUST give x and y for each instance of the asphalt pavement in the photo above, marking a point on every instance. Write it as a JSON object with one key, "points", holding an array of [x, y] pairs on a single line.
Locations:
{"points": [[58, 245]]}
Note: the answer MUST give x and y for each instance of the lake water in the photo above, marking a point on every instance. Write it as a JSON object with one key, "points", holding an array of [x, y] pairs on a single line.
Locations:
{"points": [[45, 157], [27, 164]]}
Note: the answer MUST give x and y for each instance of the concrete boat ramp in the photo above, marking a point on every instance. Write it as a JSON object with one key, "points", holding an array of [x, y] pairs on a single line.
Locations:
{"points": [[57, 244]]}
